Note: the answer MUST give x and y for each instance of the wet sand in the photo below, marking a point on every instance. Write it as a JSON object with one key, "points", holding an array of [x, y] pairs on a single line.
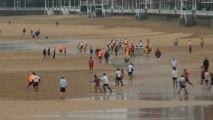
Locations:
{"points": [[152, 80]]}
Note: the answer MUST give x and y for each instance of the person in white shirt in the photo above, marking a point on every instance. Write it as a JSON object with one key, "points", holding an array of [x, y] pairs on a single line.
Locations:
{"points": [[130, 71], [182, 83], [63, 86], [174, 77], [206, 77], [36, 80], [105, 83], [118, 77], [174, 63]]}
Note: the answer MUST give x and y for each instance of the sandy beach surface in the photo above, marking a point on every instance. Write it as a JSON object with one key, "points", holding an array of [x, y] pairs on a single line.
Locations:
{"points": [[152, 84]]}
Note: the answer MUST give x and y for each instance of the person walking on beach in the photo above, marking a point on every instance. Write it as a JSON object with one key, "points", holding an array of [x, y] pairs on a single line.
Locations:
{"points": [[57, 23], [91, 65], [202, 42], [174, 77], [54, 50], [211, 82], [44, 53], [63, 86], [186, 76], [48, 53], [106, 57], [174, 64], [206, 77], [65, 52], [122, 73], [190, 47], [158, 55], [100, 55], [176, 42], [206, 63], [91, 51], [36, 80], [146, 51], [202, 74], [130, 70], [30, 79], [105, 83], [24, 31], [118, 77], [97, 84], [182, 84]]}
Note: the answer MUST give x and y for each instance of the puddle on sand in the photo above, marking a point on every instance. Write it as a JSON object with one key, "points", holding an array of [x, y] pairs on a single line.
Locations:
{"points": [[173, 113]]}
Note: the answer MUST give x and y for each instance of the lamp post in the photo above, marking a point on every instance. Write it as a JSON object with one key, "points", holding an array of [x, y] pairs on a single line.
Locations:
{"points": [[14, 3], [5, 4]]}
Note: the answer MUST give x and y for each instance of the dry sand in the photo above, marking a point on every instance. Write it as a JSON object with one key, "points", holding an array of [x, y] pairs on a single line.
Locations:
{"points": [[15, 65]]}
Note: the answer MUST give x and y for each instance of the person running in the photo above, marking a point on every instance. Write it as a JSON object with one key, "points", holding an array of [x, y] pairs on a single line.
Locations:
{"points": [[44, 53], [202, 42], [30, 79], [158, 55], [174, 64], [206, 63], [97, 84], [132, 51], [36, 80], [174, 77], [100, 55], [122, 73], [106, 56], [91, 65], [130, 71], [176, 42], [186, 76], [118, 77], [182, 84], [105, 83], [211, 83], [63, 86], [202, 74], [206, 77]]}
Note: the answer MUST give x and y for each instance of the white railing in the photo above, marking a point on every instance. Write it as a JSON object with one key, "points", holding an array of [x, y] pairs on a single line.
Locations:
{"points": [[119, 11], [204, 13], [23, 8]]}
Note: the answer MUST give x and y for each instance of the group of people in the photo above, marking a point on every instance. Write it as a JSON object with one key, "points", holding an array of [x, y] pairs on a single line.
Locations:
{"points": [[35, 34], [184, 79], [176, 42], [34, 80], [47, 53], [82, 47]]}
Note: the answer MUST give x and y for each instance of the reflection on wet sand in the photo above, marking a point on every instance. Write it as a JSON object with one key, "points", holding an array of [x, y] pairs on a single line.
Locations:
{"points": [[173, 113]]}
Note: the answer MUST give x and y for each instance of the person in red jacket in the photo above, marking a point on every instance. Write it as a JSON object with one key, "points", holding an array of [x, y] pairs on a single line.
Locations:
{"points": [[91, 65], [158, 54]]}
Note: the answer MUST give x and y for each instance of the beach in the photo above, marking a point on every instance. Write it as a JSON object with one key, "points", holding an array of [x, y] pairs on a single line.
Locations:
{"points": [[20, 55]]}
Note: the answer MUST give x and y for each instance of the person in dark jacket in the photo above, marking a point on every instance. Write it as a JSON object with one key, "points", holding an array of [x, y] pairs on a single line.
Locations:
{"points": [[106, 56], [206, 63], [158, 54]]}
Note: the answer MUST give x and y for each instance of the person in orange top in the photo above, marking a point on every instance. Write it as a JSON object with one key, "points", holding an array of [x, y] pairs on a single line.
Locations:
{"points": [[100, 54], [30, 79]]}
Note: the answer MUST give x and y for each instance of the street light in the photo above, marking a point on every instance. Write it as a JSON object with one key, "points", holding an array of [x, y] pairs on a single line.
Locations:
{"points": [[5, 4]]}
